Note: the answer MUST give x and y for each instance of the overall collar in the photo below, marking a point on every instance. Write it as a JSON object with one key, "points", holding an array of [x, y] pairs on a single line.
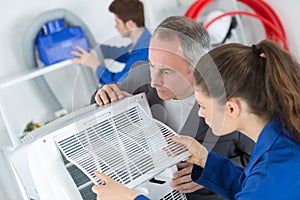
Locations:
{"points": [[266, 139], [143, 41]]}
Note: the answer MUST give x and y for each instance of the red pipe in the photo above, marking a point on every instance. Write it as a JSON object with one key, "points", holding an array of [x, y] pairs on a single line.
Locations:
{"points": [[270, 19], [276, 16], [196, 8]]}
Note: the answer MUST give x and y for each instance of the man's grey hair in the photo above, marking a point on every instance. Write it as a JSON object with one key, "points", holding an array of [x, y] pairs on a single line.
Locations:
{"points": [[194, 38]]}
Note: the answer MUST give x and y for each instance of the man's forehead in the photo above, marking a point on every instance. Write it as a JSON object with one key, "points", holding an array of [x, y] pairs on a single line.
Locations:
{"points": [[167, 44], [165, 51]]}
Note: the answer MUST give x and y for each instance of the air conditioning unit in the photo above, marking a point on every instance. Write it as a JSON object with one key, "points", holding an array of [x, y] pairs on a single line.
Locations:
{"points": [[122, 140]]}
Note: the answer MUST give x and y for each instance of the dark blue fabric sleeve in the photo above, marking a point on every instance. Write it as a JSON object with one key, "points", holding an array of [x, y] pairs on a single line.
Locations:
{"points": [[117, 53], [104, 76], [122, 54], [141, 197], [219, 175]]}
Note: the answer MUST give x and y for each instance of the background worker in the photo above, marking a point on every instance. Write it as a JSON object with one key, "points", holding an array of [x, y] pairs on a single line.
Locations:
{"points": [[130, 23]]}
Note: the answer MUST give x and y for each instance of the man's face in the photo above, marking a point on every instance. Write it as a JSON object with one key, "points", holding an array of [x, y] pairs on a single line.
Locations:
{"points": [[171, 73], [121, 27]]}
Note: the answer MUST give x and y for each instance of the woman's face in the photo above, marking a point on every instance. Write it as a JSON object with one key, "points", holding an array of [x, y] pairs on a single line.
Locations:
{"points": [[215, 115]]}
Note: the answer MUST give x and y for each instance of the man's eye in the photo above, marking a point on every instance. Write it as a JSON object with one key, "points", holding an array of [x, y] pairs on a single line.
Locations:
{"points": [[151, 66], [201, 106], [167, 72]]}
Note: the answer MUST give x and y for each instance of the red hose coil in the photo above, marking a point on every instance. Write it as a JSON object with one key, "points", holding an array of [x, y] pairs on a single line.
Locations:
{"points": [[273, 26]]}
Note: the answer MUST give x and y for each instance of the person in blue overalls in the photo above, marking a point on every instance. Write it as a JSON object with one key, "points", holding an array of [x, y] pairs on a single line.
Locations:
{"points": [[254, 90], [130, 22]]}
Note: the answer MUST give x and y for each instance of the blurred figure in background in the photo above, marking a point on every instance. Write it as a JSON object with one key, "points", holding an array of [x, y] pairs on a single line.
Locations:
{"points": [[130, 22]]}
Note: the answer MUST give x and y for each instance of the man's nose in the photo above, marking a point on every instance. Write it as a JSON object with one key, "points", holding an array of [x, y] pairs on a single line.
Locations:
{"points": [[156, 79]]}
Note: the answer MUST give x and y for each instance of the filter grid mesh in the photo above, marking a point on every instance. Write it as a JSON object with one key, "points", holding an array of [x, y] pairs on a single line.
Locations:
{"points": [[125, 146]]}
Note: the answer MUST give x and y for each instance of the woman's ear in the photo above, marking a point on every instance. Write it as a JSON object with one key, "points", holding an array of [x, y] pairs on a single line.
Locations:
{"points": [[233, 107]]}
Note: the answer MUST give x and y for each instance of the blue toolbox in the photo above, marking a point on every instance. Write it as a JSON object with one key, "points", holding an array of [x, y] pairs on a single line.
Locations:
{"points": [[55, 42]]}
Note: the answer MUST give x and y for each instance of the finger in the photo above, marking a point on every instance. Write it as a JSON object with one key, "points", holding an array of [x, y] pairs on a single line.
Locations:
{"points": [[103, 96], [102, 176], [190, 189], [182, 139], [116, 93], [126, 94], [183, 172], [182, 165], [169, 138], [98, 99], [182, 186], [96, 188], [176, 149], [182, 180], [77, 60], [76, 53], [82, 50], [194, 160], [113, 95]]}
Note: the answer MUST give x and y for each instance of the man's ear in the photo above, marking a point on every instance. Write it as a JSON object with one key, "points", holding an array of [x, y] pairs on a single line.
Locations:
{"points": [[233, 106], [130, 24]]}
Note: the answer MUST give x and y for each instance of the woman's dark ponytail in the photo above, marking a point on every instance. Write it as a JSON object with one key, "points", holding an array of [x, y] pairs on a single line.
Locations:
{"points": [[282, 85]]}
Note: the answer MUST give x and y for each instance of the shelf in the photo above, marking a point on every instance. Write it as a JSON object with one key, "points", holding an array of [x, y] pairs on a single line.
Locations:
{"points": [[33, 73], [21, 77]]}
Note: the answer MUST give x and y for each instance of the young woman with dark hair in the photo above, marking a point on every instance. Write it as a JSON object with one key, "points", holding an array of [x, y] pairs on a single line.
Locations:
{"points": [[254, 90]]}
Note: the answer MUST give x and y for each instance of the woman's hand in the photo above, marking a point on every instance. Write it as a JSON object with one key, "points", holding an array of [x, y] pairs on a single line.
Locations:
{"points": [[112, 190], [198, 151]]}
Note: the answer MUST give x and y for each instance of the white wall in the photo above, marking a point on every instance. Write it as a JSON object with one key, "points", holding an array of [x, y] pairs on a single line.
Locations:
{"points": [[288, 11], [16, 16]]}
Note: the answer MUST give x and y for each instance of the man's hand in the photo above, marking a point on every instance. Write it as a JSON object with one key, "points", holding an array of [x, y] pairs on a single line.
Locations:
{"points": [[112, 190], [182, 181], [109, 93], [86, 58]]}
